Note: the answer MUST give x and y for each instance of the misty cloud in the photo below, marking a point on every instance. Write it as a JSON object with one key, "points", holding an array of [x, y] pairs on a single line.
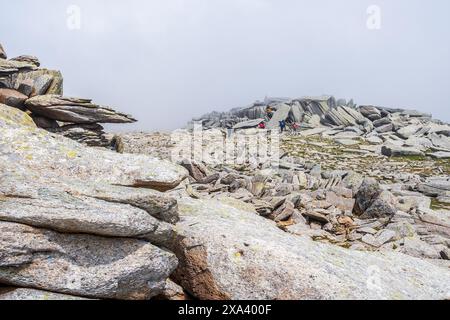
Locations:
{"points": [[167, 61]]}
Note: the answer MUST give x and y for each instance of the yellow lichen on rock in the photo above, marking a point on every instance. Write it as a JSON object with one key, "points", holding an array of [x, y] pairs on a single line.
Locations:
{"points": [[14, 116], [72, 154]]}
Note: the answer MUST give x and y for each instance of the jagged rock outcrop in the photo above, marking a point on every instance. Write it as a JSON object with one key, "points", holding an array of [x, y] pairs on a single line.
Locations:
{"points": [[26, 86], [401, 132], [27, 59], [74, 110], [11, 68]]}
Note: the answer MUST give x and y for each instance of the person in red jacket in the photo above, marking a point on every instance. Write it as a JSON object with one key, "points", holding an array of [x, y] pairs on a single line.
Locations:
{"points": [[262, 125]]}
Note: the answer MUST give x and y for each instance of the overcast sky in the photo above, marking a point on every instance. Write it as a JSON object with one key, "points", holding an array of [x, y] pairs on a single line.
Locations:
{"points": [[166, 61]]}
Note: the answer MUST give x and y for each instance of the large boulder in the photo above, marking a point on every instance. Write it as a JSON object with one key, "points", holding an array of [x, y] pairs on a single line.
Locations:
{"points": [[385, 128], [435, 186], [81, 264], [227, 253], [93, 209], [408, 131], [396, 151], [39, 79], [318, 105], [74, 110], [382, 122], [383, 206], [339, 117], [41, 85], [281, 114], [73, 219], [418, 143], [373, 202], [370, 112], [297, 112], [440, 141], [352, 180], [12, 98], [12, 117], [343, 116]]}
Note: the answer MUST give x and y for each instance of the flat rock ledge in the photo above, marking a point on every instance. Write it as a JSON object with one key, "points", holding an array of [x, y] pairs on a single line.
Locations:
{"points": [[85, 265], [228, 253]]}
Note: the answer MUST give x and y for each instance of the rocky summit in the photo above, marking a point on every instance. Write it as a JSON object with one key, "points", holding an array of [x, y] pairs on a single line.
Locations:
{"points": [[39, 92], [357, 206]]}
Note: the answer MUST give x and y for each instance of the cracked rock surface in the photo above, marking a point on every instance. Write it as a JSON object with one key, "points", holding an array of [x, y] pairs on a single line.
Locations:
{"points": [[75, 220]]}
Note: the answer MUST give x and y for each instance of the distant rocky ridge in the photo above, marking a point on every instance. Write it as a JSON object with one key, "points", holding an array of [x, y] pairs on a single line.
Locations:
{"points": [[312, 112], [400, 132], [39, 92]]}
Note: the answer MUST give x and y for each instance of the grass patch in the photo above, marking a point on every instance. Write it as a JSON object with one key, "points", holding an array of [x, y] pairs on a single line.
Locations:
{"points": [[412, 158]]}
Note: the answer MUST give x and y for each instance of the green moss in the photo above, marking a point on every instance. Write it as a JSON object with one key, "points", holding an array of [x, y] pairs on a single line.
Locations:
{"points": [[436, 205]]}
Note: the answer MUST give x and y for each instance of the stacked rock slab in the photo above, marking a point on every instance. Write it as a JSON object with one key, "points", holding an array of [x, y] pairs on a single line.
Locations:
{"points": [[395, 132], [324, 111], [24, 85], [79, 221]]}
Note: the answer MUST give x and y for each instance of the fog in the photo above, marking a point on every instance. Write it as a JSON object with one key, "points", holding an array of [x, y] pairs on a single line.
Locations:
{"points": [[167, 61]]}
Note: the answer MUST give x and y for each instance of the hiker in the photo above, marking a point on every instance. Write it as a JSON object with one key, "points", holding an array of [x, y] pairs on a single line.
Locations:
{"points": [[269, 112], [282, 125], [262, 125]]}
